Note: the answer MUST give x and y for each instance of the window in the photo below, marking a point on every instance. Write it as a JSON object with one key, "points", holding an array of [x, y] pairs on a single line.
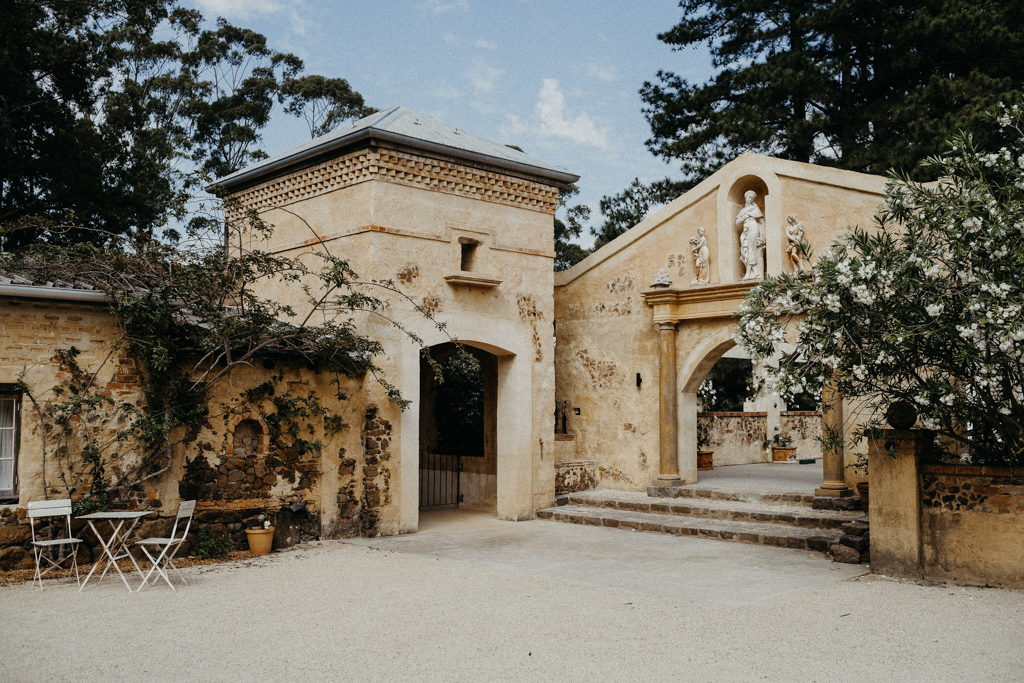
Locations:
{"points": [[10, 418], [468, 246]]}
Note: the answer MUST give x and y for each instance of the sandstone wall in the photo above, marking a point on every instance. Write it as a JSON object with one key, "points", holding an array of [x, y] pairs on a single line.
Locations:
{"points": [[606, 334]]}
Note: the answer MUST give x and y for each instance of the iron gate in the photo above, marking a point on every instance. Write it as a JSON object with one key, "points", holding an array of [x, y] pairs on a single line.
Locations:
{"points": [[439, 479]]}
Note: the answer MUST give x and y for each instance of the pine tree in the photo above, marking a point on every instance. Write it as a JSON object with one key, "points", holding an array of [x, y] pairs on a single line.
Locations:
{"points": [[865, 85]]}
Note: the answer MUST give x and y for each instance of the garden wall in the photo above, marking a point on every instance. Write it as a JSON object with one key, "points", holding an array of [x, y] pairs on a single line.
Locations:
{"points": [[234, 467], [737, 438], [943, 522]]}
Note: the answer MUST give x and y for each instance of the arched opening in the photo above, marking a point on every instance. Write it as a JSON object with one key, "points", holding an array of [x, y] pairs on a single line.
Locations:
{"points": [[458, 464], [735, 424]]}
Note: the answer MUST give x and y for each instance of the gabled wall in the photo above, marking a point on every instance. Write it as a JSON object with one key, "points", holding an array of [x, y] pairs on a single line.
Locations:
{"points": [[607, 334]]}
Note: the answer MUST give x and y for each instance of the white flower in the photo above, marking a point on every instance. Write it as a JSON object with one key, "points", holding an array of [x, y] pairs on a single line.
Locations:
{"points": [[935, 310], [1005, 410], [948, 399], [859, 371]]}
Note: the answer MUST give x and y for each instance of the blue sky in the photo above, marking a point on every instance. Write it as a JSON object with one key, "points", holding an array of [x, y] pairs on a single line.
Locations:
{"points": [[559, 79]]}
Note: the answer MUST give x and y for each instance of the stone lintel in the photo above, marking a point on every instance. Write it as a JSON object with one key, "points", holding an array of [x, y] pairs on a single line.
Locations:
{"points": [[672, 304]]}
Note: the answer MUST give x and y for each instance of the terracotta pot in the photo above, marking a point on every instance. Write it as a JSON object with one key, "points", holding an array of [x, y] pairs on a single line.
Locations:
{"points": [[704, 460], [862, 489], [783, 454], [260, 540]]}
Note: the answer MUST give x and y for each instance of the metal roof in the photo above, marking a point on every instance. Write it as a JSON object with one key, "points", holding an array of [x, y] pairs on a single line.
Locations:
{"points": [[406, 127]]}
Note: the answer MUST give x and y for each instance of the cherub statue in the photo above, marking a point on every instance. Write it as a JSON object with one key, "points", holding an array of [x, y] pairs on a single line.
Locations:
{"points": [[701, 258], [794, 235]]}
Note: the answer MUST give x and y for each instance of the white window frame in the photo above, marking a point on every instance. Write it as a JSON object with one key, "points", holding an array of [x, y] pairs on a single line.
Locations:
{"points": [[7, 393]]}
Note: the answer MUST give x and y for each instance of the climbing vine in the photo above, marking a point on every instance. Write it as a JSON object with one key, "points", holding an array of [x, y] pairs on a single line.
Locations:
{"points": [[191, 313]]}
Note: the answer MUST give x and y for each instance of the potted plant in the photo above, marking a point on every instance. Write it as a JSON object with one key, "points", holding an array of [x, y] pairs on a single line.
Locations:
{"points": [[260, 534], [781, 447], [704, 456]]}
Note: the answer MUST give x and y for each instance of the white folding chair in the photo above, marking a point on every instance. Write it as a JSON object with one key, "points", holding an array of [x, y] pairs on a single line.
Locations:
{"points": [[53, 508], [170, 547]]}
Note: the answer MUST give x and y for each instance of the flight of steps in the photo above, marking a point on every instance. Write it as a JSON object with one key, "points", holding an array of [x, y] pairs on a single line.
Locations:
{"points": [[784, 520]]}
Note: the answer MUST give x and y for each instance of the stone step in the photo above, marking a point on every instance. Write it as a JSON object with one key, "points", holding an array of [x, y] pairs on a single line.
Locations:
{"points": [[756, 533], [801, 499], [726, 510]]}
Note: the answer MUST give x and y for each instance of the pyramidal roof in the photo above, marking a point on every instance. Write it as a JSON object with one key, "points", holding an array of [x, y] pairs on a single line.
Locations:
{"points": [[404, 127]]}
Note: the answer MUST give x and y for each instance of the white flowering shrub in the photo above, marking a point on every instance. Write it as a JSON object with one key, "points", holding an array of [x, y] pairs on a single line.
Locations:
{"points": [[926, 308]]}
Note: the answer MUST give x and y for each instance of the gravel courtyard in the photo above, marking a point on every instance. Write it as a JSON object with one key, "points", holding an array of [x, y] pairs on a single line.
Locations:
{"points": [[473, 599]]}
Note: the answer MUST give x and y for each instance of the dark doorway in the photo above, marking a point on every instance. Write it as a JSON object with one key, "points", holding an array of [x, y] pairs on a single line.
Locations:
{"points": [[458, 429]]}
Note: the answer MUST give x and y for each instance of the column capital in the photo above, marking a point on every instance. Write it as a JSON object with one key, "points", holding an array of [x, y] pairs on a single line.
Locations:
{"points": [[666, 326]]}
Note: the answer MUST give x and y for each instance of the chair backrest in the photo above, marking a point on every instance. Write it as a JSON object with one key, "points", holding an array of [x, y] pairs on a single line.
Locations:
{"points": [[49, 508], [185, 510]]}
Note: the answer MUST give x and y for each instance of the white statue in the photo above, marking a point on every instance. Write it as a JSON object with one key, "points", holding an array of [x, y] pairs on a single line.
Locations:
{"points": [[752, 237], [661, 279], [794, 235], [701, 258]]}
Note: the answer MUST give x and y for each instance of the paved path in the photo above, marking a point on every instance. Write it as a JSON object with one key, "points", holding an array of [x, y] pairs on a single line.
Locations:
{"points": [[480, 600], [770, 477]]}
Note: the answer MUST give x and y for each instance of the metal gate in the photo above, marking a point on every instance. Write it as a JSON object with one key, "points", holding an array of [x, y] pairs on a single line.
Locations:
{"points": [[439, 479]]}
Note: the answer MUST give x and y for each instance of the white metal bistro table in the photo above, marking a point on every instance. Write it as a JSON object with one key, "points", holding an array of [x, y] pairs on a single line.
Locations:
{"points": [[116, 547]]}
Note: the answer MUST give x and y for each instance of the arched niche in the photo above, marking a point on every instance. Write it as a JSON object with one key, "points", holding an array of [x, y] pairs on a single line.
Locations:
{"points": [[248, 436], [731, 269]]}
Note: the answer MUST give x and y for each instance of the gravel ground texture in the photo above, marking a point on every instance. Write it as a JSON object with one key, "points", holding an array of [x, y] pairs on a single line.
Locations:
{"points": [[460, 603]]}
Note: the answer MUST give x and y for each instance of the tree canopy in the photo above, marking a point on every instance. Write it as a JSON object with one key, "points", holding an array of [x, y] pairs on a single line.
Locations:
{"points": [[112, 108], [856, 84]]}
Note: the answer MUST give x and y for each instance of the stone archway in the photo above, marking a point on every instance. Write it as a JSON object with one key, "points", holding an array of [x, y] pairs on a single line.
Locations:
{"points": [[700, 320]]}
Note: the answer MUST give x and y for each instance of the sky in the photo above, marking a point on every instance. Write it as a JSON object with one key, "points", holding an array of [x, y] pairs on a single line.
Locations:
{"points": [[558, 78]]}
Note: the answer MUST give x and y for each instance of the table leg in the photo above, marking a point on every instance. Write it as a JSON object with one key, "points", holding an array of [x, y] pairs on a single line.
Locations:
{"points": [[106, 551]]}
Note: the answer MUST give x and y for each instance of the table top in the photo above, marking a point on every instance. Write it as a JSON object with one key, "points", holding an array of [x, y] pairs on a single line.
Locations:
{"points": [[117, 514]]}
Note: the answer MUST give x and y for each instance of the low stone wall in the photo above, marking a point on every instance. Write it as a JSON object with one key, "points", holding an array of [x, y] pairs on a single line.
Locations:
{"points": [[805, 428], [736, 438], [575, 475], [943, 522]]}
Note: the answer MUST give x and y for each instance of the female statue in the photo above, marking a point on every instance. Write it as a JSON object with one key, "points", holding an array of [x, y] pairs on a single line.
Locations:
{"points": [[752, 237], [701, 258]]}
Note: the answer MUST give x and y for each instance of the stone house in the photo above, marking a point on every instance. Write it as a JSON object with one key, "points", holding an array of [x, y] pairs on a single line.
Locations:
{"points": [[464, 227]]}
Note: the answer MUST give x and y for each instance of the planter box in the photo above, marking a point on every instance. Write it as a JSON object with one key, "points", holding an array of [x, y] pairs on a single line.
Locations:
{"points": [[704, 460], [783, 454]]}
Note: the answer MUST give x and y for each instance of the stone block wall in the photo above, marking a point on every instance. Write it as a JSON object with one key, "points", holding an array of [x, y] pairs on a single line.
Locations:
{"points": [[972, 524]]}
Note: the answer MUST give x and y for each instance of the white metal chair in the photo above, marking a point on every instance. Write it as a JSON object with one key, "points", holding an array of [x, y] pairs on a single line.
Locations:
{"points": [[53, 508], [170, 546]]}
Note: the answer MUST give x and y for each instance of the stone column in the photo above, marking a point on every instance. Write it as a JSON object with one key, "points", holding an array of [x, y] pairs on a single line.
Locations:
{"points": [[833, 459], [668, 445]]}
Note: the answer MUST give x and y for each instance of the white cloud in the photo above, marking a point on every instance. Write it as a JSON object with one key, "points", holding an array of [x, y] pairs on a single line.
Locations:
{"points": [[554, 121], [484, 44], [249, 9], [450, 38], [594, 71], [441, 6], [483, 76]]}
